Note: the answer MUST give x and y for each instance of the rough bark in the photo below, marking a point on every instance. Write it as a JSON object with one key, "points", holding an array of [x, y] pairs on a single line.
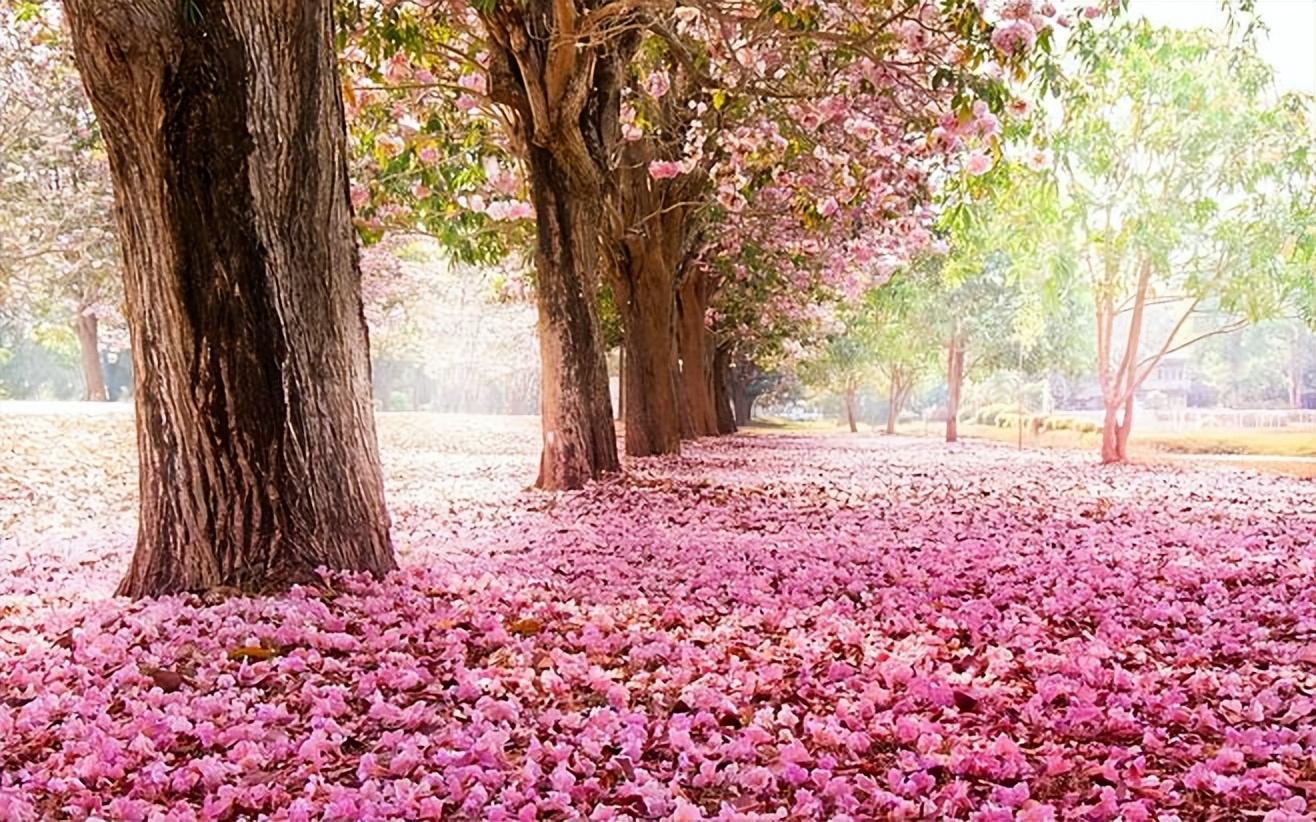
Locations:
{"points": [[580, 441], [224, 127], [645, 251], [89, 350], [696, 352], [653, 412], [742, 402], [955, 383], [726, 417], [563, 96]]}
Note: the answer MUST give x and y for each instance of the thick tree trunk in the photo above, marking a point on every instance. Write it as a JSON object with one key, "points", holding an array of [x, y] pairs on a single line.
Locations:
{"points": [[726, 417], [647, 304], [693, 339], [580, 440], [89, 349], [255, 431], [849, 410], [955, 384]]}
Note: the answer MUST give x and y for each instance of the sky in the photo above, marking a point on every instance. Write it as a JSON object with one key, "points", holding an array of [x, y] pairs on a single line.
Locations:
{"points": [[1289, 45]]}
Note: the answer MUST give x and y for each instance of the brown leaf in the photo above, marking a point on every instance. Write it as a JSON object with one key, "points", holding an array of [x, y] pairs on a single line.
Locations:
{"points": [[525, 627], [167, 681], [965, 702], [255, 652]]}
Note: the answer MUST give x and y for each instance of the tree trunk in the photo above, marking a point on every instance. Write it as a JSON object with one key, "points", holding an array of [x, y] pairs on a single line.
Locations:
{"points": [[742, 401], [1119, 389], [580, 440], [740, 382], [726, 417], [955, 384], [621, 383], [93, 377], [696, 356], [849, 410], [255, 431], [893, 405], [1297, 365], [1115, 434], [647, 304]]}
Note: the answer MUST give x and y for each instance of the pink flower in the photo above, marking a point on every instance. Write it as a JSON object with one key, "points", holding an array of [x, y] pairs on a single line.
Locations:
{"points": [[978, 163], [1036, 812], [657, 84], [1014, 36], [1038, 159], [391, 144], [475, 81], [664, 169], [510, 210]]}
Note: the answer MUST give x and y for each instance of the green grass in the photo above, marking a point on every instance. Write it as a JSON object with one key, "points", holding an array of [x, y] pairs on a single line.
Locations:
{"points": [[1280, 451], [1251, 441]]}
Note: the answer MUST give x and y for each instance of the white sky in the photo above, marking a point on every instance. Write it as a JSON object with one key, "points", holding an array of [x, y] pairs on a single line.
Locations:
{"points": [[1289, 45]]}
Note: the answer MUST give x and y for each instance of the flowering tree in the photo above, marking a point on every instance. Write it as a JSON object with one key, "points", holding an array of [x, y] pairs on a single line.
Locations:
{"points": [[57, 247], [644, 125]]}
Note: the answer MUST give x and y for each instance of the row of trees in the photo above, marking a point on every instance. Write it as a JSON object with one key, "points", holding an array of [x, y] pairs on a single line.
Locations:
{"points": [[711, 176], [1177, 204], [656, 156]]}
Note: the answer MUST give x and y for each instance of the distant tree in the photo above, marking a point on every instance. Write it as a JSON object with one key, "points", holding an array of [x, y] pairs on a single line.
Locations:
{"points": [[843, 365], [58, 255], [1188, 185], [901, 317]]}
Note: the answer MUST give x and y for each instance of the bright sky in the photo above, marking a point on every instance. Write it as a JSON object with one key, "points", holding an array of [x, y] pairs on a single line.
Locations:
{"points": [[1289, 45]]}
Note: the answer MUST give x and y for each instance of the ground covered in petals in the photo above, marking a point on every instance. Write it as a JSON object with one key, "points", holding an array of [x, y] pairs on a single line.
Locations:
{"points": [[767, 627]]}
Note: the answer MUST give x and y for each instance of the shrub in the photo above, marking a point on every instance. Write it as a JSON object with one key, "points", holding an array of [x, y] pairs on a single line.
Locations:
{"points": [[987, 415], [398, 401]]}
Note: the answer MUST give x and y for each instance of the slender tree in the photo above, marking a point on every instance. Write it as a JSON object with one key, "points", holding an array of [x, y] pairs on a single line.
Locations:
{"points": [[1189, 182]]}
